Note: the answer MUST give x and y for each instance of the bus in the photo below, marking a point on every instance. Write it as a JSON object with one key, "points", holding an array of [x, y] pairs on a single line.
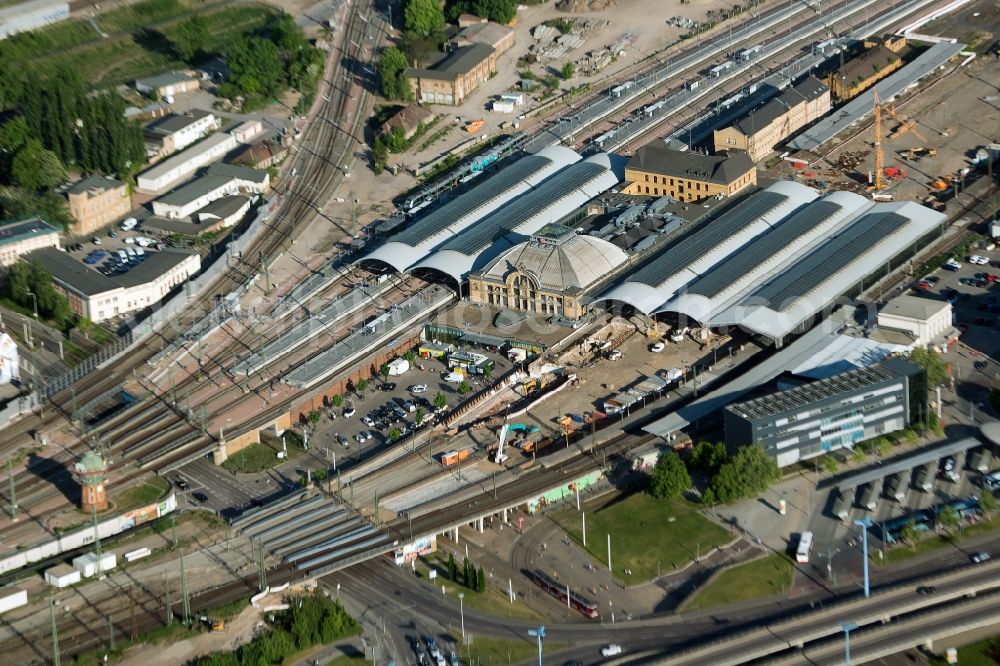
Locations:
{"points": [[805, 545]]}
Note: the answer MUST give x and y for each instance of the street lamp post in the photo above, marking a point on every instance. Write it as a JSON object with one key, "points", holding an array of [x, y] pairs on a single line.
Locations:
{"points": [[848, 627], [539, 634], [864, 524], [461, 611]]}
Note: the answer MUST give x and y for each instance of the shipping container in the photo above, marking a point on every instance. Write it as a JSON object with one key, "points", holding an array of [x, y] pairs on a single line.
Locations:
{"points": [[12, 597]]}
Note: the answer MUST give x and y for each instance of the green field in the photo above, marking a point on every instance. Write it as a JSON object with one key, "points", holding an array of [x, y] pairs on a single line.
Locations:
{"points": [[759, 578], [143, 494], [138, 42], [496, 651], [646, 533]]}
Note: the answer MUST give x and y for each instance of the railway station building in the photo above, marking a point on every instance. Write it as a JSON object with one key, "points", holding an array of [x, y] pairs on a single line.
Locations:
{"points": [[552, 273], [658, 171]]}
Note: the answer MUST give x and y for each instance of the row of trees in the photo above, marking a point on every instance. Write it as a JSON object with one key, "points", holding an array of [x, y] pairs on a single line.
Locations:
{"points": [[314, 620], [85, 130], [262, 66], [501, 11], [730, 478], [472, 578]]}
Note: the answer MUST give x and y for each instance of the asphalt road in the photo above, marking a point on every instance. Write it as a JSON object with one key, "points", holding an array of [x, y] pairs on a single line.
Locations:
{"points": [[391, 595]]}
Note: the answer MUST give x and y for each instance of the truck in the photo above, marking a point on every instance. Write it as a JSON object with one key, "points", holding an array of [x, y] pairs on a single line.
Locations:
{"points": [[867, 496], [454, 457]]}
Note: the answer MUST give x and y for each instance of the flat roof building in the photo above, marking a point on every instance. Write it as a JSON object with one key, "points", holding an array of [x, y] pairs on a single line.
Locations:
{"points": [[657, 171], [99, 297], [171, 83], [178, 131], [499, 37], [30, 15], [830, 414], [24, 236], [926, 320]]}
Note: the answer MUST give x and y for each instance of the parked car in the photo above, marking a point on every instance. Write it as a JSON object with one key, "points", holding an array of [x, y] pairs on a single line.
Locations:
{"points": [[368, 421], [349, 411], [657, 347], [418, 388], [388, 386], [343, 441], [359, 438]]}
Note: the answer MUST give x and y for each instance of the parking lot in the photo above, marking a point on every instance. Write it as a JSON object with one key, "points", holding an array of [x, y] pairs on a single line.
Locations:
{"points": [[388, 406], [114, 251]]}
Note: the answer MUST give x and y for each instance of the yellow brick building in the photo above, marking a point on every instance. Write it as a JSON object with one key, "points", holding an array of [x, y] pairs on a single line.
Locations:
{"points": [[657, 171], [455, 77]]}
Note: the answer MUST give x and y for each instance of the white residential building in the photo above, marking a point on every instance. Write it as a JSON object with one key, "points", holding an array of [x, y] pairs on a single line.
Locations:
{"points": [[24, 236], [220, 180], [178, 131]]}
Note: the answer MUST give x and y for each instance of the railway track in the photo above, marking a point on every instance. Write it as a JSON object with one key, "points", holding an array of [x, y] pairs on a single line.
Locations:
{"points": [[124, 432]]}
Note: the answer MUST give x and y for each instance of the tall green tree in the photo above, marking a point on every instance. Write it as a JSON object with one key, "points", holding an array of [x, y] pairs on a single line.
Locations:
{"points": [[480, 580], [932, 363], [35, 168], [391, 65], [747, 473], [708, 456], [452, 568], [440, 401], [669, 478], [192, 38], [423, 17], [255, 69]]}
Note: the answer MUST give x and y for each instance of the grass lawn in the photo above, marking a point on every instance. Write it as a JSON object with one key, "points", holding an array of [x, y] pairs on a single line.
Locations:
{"points": [[227, 611], [644, 531], [759, 578], [493, 601], [138, 43], [259, 457], [145, 493], [983, 653], [495, 651]]}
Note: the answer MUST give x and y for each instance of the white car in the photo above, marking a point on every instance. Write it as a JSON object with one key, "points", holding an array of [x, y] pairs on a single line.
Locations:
{"points": [[614, 354], [978, 260], [611, 650], [368, 422], [360, 437], [418, 388], [657, 347], [348, 411]]}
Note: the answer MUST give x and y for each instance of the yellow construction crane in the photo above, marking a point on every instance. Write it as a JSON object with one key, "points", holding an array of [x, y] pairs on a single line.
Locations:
{"points": [[878, 183], [905, 125]]}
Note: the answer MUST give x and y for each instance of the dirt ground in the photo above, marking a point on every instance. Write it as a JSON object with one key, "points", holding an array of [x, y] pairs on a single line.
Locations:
{"points": [[239, 630], [955, 130]]}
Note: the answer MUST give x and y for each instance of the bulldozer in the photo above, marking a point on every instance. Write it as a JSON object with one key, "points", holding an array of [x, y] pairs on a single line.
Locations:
{"points": [[918, 153]]}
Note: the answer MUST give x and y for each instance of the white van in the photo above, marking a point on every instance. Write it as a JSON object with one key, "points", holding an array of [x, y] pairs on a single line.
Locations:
{"points": [[139, 252], [454, 377], [122, 255], [130, 251], [129, 224]]}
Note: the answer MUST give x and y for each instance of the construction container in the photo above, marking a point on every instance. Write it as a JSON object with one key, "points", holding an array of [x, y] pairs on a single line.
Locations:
{"points": [[62, 575], [12, 597], [86, 564], [454, 457]]}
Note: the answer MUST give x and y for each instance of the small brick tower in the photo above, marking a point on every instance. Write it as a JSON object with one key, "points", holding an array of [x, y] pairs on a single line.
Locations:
{"points": [[90, 472]]}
